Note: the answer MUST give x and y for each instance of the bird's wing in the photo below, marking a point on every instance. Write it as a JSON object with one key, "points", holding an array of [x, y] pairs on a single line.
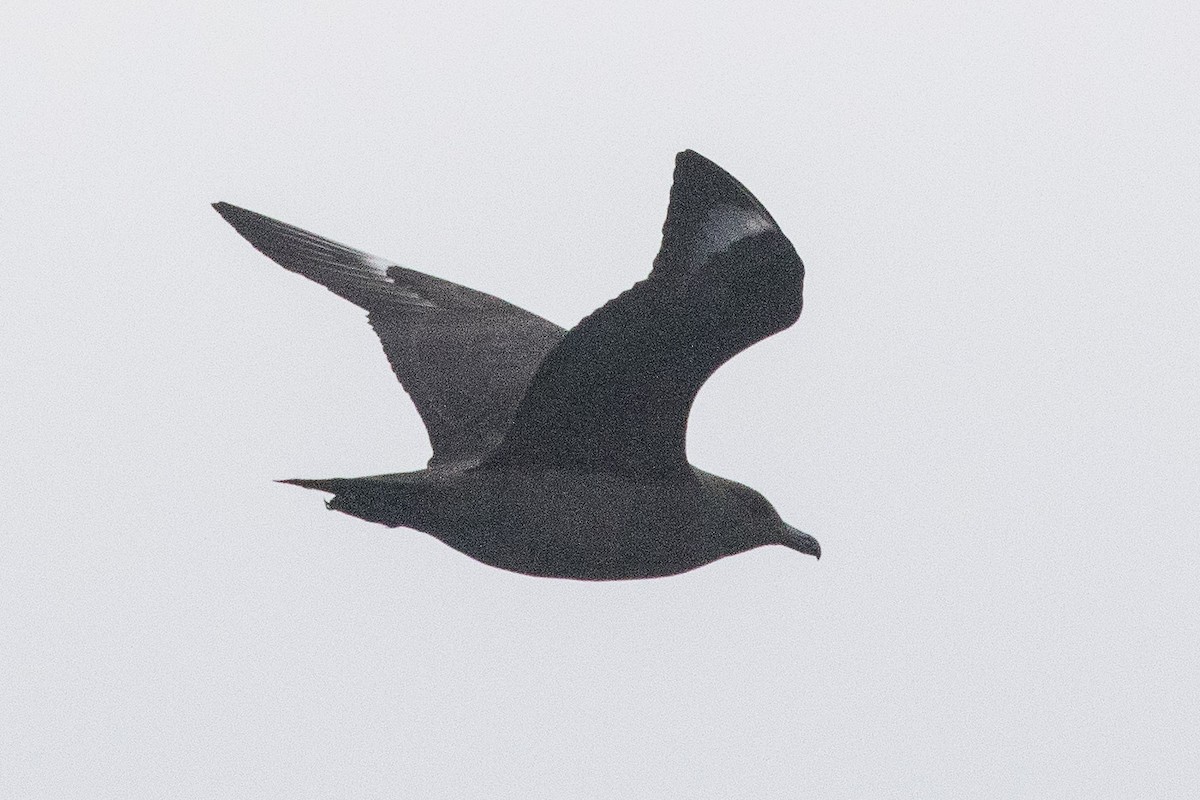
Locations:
{"points": [[614, 395], [464, 357]]}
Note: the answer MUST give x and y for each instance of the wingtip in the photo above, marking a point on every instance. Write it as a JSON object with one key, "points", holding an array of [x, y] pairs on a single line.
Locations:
{"points": [[228, 210], [229, 213], [706, 182], [252, 226], [690, 159]]}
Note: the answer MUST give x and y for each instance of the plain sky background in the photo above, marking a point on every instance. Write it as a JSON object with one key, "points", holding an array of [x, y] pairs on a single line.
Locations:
{"points": [[988, 413]]}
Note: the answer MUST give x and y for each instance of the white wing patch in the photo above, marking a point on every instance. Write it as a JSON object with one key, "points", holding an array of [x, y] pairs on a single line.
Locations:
{"points": [[409, 295], [377, 265]]}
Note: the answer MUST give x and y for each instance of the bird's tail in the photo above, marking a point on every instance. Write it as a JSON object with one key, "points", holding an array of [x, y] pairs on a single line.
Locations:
{"points": [[332, 485]]}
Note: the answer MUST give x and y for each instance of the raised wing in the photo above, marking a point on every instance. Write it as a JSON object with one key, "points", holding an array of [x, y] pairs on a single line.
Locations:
{"points": [[614, 395], [464, 357]]}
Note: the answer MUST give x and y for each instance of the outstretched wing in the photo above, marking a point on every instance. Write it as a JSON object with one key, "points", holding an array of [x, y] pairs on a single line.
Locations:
{"points": [[614, 395], [464, 357]]}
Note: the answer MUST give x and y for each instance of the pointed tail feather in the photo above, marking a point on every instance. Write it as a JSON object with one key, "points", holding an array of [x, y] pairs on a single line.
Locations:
{"points": [[332, 485]]}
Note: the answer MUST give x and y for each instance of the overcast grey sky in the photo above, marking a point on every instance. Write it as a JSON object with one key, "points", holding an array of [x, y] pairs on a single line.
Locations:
{"points": [[987, 413]]}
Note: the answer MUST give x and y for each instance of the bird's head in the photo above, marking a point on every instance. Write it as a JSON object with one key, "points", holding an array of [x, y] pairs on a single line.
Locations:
{"points": [[756, 523], [798, 540]]}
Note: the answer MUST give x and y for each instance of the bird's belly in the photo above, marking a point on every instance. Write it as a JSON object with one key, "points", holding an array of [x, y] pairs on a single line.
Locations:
{"points": [[561, 524]]}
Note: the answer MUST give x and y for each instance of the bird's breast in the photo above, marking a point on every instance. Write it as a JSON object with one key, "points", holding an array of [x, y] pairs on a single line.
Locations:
{"points": [[570, 524]]}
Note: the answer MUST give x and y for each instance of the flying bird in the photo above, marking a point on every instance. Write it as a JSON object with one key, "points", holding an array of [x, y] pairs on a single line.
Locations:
{"points": [[562, 453]]}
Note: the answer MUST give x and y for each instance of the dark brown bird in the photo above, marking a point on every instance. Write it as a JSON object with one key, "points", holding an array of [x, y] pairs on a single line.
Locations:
{"points": [[562, 454]]}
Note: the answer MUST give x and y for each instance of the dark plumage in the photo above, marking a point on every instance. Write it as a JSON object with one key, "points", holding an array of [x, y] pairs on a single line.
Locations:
{"points": [[563, 454]]}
